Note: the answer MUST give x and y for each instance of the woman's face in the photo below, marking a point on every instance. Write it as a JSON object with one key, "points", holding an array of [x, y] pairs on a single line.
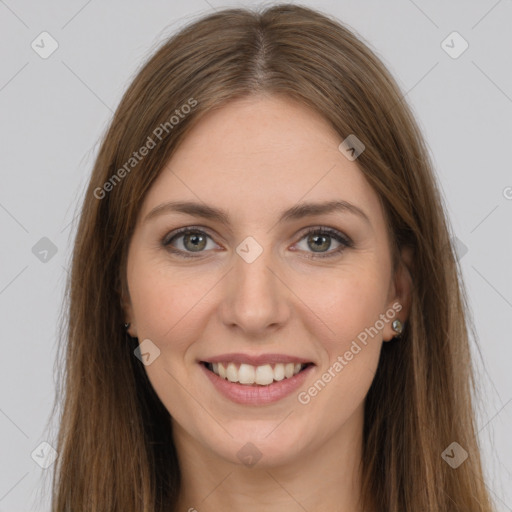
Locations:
{"points": [[258, 292]]}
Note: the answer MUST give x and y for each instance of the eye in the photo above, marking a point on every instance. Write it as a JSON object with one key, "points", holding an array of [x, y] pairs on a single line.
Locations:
{"points": [[195, 240], [321, 238]]}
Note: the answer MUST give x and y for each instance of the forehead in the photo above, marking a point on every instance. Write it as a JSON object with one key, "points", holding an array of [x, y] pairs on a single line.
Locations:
{"points": [[262, 154]]}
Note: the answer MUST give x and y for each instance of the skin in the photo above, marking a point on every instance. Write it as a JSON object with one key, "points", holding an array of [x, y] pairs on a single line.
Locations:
{"points": [[256, 157]]}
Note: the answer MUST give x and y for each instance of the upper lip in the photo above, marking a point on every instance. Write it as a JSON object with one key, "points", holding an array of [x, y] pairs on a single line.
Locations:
{"points": [[256, 360]]}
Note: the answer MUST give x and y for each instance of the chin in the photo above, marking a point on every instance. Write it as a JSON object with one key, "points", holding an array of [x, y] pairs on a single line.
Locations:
{"points": [[259, 444]]}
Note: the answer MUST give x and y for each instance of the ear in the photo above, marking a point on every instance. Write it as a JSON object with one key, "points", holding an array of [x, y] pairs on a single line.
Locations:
{"points": [[400, 292]]}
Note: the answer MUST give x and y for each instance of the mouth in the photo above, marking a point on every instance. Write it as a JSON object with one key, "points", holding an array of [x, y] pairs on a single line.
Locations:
{"points": [[255, 376]]}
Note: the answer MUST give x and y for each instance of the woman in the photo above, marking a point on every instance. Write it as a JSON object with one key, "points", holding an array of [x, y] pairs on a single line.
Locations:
{"points": [[265, 311]]}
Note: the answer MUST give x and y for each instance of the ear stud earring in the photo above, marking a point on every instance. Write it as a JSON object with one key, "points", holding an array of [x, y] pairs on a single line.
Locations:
{"points": [[397, 326]]}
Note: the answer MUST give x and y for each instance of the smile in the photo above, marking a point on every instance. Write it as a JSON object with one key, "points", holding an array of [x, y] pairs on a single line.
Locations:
{"points": [[250, 375], [256, 380]]}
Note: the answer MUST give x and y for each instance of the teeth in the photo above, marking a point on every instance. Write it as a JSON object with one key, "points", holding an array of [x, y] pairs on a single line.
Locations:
{"points": [[246, 374], [279, 372], [232, 372], [261, 375], [264, 375]]}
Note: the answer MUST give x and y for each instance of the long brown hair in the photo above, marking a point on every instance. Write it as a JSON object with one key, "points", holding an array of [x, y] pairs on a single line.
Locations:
{"points": [[115, 445]]}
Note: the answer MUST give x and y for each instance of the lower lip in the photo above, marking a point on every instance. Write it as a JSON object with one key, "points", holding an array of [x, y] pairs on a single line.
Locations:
{"points": [[257, 395]]}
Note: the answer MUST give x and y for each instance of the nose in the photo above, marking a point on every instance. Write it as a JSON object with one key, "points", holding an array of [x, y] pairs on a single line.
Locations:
{"points": [[255, 297]]}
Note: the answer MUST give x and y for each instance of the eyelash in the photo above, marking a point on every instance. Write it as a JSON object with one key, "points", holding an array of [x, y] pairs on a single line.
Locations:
{"points": [[339, 237]]}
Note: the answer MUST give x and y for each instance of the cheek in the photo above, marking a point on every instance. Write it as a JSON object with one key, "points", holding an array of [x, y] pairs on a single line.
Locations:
{"points": [[167, 303], [349, 304], [352, 348]]}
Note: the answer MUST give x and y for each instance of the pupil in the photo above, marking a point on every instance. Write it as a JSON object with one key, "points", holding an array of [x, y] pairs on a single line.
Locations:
{"points": [[195, 240], [319, 245]]}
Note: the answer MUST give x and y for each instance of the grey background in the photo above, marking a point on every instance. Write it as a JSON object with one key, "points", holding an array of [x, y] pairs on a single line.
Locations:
{"points": [[55, 110]]}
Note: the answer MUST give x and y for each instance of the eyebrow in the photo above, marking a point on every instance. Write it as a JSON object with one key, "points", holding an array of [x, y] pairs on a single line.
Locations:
{"points": [[296, 212]]}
